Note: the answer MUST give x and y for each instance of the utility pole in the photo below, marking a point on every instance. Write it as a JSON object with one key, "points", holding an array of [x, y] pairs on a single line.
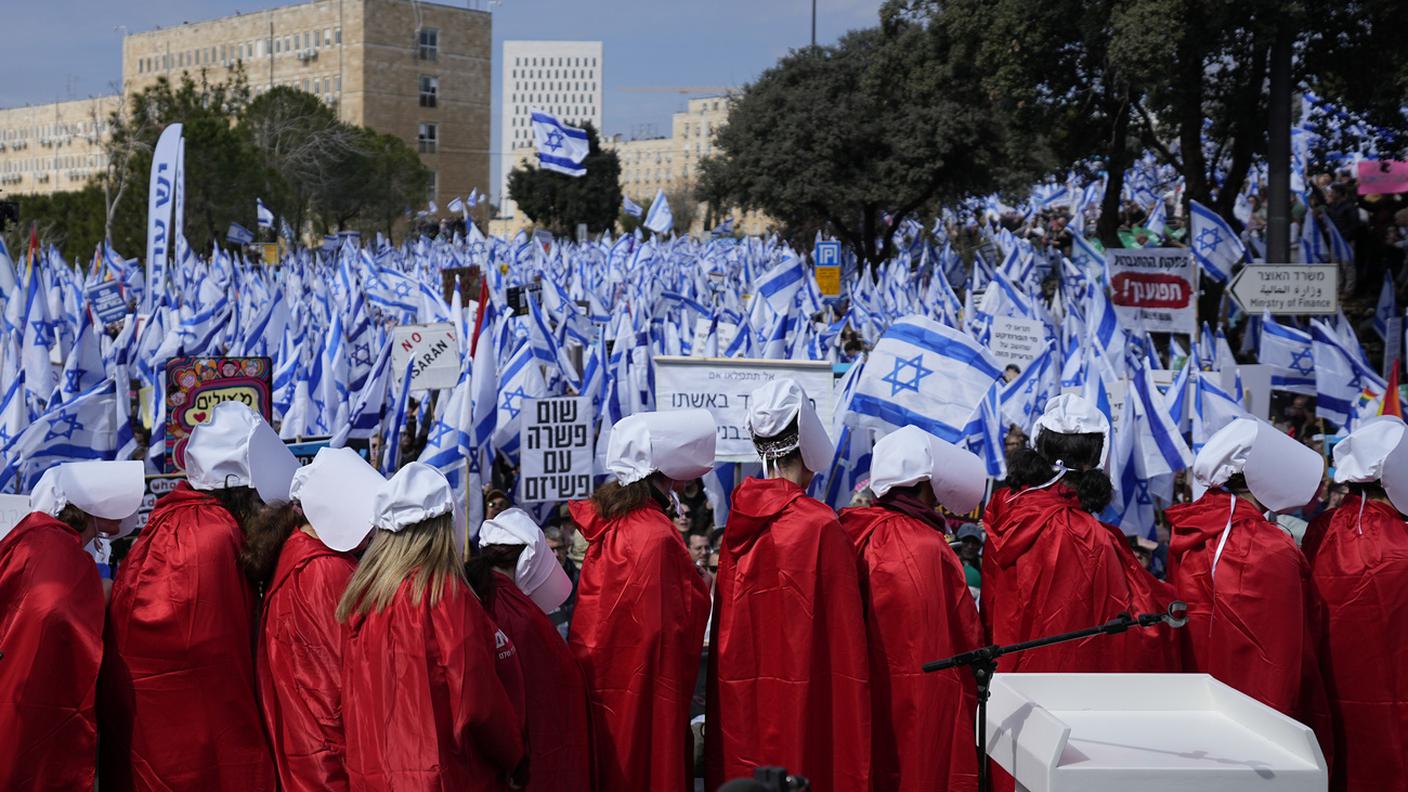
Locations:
{"points": [[1278, 150], [813, 23]]}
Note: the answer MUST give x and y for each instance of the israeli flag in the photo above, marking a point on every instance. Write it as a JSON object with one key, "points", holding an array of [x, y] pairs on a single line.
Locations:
{"points": [[1216, 247], [561, 148], [1340, 377], [631, 207], [924, 374], [239, 235], [457, 205], [660, 220], [1387, 307], [262, 214], [82, 428]]}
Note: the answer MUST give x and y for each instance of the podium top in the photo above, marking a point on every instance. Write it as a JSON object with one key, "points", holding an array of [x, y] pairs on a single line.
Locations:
{"points": [[1151, 732]]}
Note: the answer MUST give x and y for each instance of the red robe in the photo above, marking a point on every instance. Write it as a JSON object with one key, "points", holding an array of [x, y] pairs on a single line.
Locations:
{"points": [[917, 609], [1051, 567], [789, 672], [424, 705], [556, 694], [300, 664], [1360, 573], [1252, 626], [51, 637], [637, 633], [178, 707]]}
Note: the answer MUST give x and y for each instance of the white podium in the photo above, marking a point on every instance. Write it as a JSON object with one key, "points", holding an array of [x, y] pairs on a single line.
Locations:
{"points": [[1145, 732]]}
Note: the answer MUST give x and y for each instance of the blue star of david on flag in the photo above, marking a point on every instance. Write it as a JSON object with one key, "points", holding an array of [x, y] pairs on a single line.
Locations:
{"points": [[911, 384], [509, 396], [71, 422], [362, 354], [554, 140], [73, 380], [1303, 361], [439, 431], [1208, 239]]}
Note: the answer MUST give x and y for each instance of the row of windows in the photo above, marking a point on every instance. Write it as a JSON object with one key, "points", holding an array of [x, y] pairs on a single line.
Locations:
{"points": [[47, 131], [553, 74], [554, 86], [569, 62], [38, 164], [523, 100], [523, 118], [228, 54], [314, 85]]}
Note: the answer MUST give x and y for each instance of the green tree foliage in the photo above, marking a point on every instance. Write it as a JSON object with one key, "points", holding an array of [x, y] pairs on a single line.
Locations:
{"points": [[71, 221], [839, 136], [558, 202]]}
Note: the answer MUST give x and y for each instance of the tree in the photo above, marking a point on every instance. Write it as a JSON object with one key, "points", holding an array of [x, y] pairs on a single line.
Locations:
{"points": [[843, 135], [71, 221], [559, 202]]}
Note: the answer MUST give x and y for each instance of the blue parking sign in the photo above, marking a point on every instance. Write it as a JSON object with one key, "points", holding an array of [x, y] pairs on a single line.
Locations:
{"points": [[828, 254]]}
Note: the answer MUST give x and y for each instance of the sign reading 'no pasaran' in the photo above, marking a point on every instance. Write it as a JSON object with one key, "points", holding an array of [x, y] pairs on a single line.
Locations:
{"points": [[432, 352]]}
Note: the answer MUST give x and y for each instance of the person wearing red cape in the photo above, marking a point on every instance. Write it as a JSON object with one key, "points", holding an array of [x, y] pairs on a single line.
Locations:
{"points": [[520, 582], [1252, 613], [1359, 566], [918, 609], [301, 553], [789, 671], [51, 623], [427, 704], [638, 627], [178, 708]]}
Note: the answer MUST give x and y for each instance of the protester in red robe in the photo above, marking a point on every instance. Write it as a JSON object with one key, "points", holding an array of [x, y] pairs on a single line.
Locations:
{"points": [[789, 671], [300, 553], [423, 704], [1051, 567], [51, 623], [642, 607], [918, 609], [1360, 573], [1251, 609], [520, 581], [178, 705]]}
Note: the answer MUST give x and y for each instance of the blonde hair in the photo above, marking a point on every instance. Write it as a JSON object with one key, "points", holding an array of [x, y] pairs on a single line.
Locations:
{"points": [[425, 552]]}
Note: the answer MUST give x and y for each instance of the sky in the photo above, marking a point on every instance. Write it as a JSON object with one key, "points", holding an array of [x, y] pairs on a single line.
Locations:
{"points": [[60, 49]]}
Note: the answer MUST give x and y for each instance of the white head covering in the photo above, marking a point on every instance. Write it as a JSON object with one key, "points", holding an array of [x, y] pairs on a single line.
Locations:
{"points": [[109, 490], [1280, 472], [538, 574], [771, 409], [238, 449], [1070, 414], [336, 492], [415, 494], [910, 455], [678, 443], [1376, 452]]}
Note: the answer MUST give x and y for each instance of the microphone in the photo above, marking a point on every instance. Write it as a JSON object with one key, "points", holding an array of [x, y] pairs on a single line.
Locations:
{"points": [[1177, 615]]}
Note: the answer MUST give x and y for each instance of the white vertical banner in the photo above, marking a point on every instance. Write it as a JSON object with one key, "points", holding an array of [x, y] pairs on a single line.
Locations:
{"points": [[178, 204], [159, 200]]}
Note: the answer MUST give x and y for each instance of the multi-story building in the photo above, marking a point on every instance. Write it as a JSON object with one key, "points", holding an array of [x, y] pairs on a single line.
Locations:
{"points": [[54, 147], [561, 78]]}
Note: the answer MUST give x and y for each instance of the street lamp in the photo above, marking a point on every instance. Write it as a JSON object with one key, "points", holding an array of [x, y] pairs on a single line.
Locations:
{"points": [[813, 23]]}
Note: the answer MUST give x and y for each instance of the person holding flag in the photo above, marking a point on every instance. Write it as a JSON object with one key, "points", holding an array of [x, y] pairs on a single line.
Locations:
{"points": [[788, 628], [638, 627], [51, 628], [923, 723]]}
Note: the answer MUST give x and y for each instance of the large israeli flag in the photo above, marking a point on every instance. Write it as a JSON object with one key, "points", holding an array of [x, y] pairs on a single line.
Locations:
{"points": [[1216, 247], [561, 148], [660, 219], [1288, 350]]}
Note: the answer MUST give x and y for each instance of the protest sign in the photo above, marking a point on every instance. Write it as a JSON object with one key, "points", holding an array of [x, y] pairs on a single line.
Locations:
{"points": [[305, 450], [270, 253], [153, 488], [13, 508], [433, 349], [555, 440], [1380, 177], [722, 386], [1155, 286], [194, 385], [828, 281], [1017, 341], [107, 302]]}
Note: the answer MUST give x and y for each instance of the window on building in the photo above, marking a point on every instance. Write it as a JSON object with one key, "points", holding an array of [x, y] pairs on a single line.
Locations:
{"points": [[429, 90], [432, 183], [278, 46], [337, 84], [327, 37], [428, 137], [307, 39], [337, 35], [429, 43]]}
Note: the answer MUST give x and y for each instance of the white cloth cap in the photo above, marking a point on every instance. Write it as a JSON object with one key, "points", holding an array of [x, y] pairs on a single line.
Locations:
{"points": [[336, 492], [1376, 452], [538, 575], [108, 490], [415, 494], [910, 455], [238, 449], [1070, 414], [772, 408], [678, 443], [1280, 472]]}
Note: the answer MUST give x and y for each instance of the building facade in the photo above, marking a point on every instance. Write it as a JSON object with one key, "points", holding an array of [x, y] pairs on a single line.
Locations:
{"points": [[561, 78], [54, 147]]}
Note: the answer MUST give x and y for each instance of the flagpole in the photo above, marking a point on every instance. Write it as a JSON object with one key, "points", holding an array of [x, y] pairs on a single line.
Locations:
{"points": [[813, 23]]}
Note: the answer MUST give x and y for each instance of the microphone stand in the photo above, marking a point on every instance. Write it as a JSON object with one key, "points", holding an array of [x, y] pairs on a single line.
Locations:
{"points": [[983, 662]]}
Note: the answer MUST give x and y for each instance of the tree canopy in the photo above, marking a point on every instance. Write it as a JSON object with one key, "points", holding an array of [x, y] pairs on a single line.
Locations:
{"points": [[558, 202]]}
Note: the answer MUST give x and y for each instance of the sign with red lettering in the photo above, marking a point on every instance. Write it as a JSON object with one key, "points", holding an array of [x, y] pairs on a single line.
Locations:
{"points": [[432, 353], [1155, 286], [194, 385], [1382, 177]]}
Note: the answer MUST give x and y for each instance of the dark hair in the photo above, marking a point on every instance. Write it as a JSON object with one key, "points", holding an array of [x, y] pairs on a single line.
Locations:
{"points": [[791, 435], [73, 517], [1368, 490], [1080, 453], [264, 537], [1236, 484], [614, 499], [243, 503], [480, 568]]}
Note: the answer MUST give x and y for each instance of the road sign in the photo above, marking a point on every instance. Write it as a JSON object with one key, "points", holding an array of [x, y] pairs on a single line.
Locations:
{"points": [[828, 254], [1287, 288]]}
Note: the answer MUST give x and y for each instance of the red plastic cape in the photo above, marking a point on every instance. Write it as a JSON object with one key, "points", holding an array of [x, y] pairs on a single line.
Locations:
{"points": [[917, 609], [789, 672], [1051, 567], [1360, 572], [51, 634], [423, 702], [177, 701], [300, 664], [555, 693], [1252, 624], [637, 632]]}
